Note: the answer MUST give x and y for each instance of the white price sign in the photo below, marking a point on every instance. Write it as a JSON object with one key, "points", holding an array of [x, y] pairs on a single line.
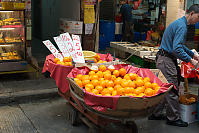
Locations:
{"points": [[53, 50], [70, 46], [62, 46], [78, 49]]}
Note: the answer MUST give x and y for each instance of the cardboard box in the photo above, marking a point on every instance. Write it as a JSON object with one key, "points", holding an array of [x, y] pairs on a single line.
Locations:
{"points": [[73, 27], [188, 112]]}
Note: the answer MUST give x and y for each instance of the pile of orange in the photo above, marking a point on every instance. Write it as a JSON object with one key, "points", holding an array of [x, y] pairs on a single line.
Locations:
{"points": [[111, 82], [97, 59], [67, 61]]}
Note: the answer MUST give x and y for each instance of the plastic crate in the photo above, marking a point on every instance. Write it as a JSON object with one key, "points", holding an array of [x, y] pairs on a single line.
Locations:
{"points": [[141, 62]]}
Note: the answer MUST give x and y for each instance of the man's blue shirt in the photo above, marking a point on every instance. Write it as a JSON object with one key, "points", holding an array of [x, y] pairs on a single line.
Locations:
{"points": [[174, 38], [126, 12]]}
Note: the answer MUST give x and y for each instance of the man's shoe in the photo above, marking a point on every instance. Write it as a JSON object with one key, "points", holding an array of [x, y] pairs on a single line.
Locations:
{"points": [[178, 123], [153, 117]]}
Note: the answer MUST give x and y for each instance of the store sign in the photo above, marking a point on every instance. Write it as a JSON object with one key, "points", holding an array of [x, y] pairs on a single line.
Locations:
{"points": [[70, 46], [53, 50], [62, 46], [78, 48]]}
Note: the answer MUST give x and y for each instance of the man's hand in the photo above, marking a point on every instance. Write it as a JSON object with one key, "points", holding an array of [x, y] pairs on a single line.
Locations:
{"points": [[196, 55], [194, 63]]}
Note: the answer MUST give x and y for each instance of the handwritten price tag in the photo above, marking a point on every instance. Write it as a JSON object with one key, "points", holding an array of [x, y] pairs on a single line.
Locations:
{"points": [[53, 50], [62, 46], [78, 49], [70, 46]]}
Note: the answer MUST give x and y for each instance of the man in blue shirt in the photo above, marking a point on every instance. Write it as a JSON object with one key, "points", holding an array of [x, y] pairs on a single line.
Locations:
{"points": [[172, 48], [127, 27]]}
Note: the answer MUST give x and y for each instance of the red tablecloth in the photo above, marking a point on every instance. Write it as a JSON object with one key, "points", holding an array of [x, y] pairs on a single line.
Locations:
{"points": [[58, 73]]}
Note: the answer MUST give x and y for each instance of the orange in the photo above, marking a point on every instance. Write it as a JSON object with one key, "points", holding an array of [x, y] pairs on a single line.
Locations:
{"points": [[139, 83], [127, 77], [147, 79], [139, 78], [156, 89], [84, 82], [91, 73], [125, 84], [113, 77], [102, 83], [70, 64], [79, 76], [128, 90], [56, 60], [116, 73], [110, 89], [92, 77], [114, 93], [95, 91], [66, 59], [123, 80], [107, 76], [75, 79], [107, 95], [147, 84], [61, 63], [79, 83], [154, 85], [108, 71], [100, 74], [131, 84], [118, 81], [105, 91], [101, 79], [95, 82], [110, 84], [122, 71], [117, 86], [87, 89], [133, 76], [149, 92], [89, 86], [120, 91], [85, 77], [140, 95], [66, 63], [99, 88], [102, 68], [138, 90]]}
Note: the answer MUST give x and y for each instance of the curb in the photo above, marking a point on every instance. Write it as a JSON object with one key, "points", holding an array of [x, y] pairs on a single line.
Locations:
{"points": [[27, 96]]}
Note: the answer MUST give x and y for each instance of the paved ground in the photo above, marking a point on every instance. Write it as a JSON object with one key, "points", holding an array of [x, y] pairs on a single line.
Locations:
{"points": [[53, 116]]}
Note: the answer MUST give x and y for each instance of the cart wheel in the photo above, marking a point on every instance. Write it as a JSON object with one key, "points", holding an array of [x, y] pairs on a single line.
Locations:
{"points": [[132, 126], [74, 117]]}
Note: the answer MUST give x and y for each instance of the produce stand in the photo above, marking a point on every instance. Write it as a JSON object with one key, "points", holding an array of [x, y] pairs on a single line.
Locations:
{"points": [[96, 119]]}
